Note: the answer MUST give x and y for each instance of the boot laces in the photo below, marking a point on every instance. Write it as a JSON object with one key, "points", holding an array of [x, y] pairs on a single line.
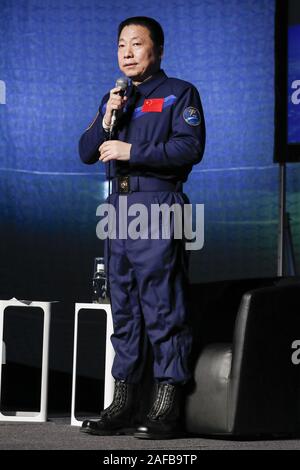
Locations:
{"points": [[119, 399], [163, 401]]}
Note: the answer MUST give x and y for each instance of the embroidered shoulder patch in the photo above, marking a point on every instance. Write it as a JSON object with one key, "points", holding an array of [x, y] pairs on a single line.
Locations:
{"points": [[192, 116]]}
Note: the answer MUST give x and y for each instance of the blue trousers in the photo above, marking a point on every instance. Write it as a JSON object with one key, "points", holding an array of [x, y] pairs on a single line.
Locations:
{"points": [[148, 284]]}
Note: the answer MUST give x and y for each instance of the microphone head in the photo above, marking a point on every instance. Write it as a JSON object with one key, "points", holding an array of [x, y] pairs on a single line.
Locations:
{"points": [[122, 82]]}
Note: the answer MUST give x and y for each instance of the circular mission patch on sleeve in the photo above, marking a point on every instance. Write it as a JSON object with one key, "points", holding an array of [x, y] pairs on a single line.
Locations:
{"points": [[192, 116]]}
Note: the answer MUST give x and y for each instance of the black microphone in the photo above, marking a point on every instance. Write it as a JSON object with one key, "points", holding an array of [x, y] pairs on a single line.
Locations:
{"points": [[123, 84]]}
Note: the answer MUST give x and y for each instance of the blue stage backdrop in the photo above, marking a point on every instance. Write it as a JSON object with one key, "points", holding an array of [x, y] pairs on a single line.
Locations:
{"points": [[58, 58]]}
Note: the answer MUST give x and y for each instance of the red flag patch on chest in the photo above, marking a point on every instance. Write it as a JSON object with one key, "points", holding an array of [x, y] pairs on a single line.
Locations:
{"points": [[154, 105]]}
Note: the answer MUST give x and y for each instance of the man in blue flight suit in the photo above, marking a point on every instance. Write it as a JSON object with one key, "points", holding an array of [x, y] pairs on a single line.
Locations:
{"points": [[158, 137]]}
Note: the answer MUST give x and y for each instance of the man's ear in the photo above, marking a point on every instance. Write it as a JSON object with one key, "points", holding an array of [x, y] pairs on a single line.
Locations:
{"points": [[161, 52]]}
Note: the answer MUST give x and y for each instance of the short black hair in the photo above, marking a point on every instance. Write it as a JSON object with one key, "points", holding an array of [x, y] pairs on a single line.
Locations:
{"points": [[155, 29]]}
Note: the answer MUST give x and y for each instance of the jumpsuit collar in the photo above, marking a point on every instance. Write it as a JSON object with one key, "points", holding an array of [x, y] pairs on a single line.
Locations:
{"points": [[147, 87]]}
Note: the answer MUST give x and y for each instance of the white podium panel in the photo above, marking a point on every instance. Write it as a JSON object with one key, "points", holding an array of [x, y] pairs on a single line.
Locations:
{"points": [[109, 355], [41, 415]]}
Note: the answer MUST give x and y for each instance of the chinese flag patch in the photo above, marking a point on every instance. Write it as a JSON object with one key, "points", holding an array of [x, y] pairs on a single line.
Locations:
{"points": [[154, 105]]}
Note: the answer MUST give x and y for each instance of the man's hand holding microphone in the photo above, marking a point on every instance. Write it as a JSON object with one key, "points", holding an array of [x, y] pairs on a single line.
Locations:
{"points": [[114, 149]]}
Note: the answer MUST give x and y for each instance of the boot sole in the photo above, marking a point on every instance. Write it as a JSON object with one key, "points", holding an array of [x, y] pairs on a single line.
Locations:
{"points": [[115, 432]]}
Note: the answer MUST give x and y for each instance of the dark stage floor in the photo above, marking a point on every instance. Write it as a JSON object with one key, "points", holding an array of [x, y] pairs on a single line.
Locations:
{"points": [[57, 434]]}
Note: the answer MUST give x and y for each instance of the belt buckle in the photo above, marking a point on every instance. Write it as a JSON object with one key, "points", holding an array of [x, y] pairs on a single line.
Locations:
{"points": [[124, 184]]}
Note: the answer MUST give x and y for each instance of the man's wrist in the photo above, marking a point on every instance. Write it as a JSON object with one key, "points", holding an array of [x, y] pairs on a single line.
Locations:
{"points": [[105, 126]]}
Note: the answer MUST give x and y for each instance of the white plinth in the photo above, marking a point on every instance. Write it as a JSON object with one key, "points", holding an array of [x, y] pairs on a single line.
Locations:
{"points": [[40, 416], [109, 356]]}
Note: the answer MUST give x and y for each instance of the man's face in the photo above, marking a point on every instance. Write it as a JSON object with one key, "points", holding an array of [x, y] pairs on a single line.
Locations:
{"points": [[138, 58]]}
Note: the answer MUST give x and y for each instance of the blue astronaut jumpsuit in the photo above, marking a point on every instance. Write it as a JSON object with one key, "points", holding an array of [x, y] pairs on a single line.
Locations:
{"points": [[148, 277]]}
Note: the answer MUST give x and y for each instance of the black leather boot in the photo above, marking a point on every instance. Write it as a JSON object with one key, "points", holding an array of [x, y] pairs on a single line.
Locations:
{"points": [[118, 418], [163, 420]]}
